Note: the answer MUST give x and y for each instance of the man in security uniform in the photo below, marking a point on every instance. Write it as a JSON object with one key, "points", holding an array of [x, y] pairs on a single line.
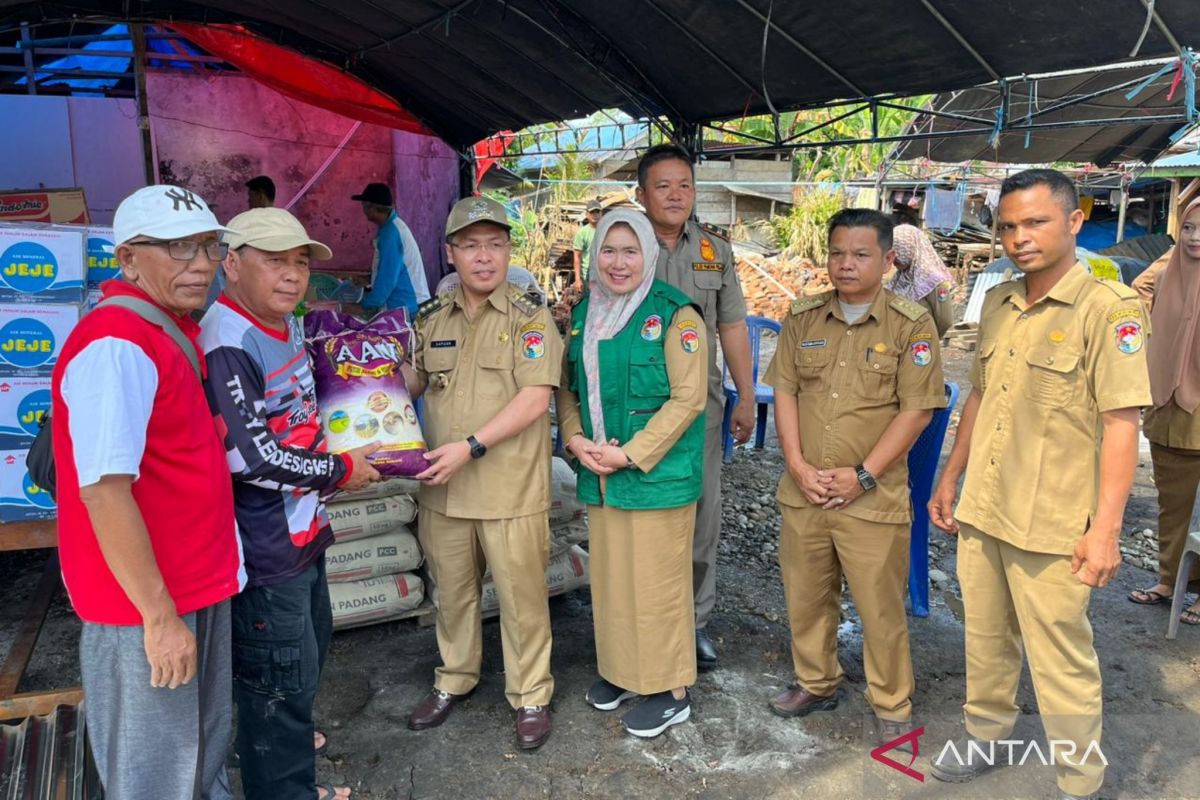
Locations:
{"points": [[488, 361], [857, 375], [701, 265], [1048, 442]]}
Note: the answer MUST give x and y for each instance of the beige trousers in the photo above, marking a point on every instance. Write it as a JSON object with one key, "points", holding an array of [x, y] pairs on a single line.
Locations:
{"points": [[1177, 476], [1013, 597], [816, 549], [518, 551]]}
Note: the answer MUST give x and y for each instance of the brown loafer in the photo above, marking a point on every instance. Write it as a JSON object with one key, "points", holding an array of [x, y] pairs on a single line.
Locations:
{"points": [[533, 727], [433, 710], [796, 701]]}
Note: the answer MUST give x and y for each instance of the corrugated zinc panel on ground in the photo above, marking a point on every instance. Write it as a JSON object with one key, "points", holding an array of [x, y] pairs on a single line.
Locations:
{"points": [[983, 282], [46, 758]]}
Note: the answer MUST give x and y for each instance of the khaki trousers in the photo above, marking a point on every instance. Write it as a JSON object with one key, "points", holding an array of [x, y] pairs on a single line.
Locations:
{"points": [[816, 548], [518, 551], [642, 596], [1012, 596], [708, 529], [1177, 476]]}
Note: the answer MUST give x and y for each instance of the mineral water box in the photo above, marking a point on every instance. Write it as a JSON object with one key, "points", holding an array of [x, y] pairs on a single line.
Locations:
{"points": [[101, 256], [20, 499], [23, 403], [41, 265], [32, 336], [94, 296]]}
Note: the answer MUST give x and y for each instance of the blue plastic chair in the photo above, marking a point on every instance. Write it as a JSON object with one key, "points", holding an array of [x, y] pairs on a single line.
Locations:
{"points": [[763, 395], [922, 468]]}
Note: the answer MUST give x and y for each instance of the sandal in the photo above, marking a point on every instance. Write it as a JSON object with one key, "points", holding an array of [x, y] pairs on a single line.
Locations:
{"points": [[1148, 597], [324, 748], [330, 791], [1190, 616]]}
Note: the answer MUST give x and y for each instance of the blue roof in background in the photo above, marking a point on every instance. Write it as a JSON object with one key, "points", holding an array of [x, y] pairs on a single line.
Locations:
{"points": [[88, 63], [600, 140]]}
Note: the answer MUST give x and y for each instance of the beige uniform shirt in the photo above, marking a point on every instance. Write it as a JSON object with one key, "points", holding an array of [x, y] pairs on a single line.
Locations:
{"points": [[1173, 427], [689, 386], [940, 305], [472, 369], [850, 381], [1046, 372], [701, 265]]}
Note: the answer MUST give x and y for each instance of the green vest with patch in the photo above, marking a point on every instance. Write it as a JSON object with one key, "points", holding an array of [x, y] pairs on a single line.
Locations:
{"points": [[636, 386]]}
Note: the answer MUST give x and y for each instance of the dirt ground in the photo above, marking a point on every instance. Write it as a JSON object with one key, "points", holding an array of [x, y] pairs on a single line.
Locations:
{"points": [[733, 747]]}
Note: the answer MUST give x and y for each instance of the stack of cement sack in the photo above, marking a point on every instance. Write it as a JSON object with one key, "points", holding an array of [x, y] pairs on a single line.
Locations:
{"points": [[372, 564], [568, 569]]}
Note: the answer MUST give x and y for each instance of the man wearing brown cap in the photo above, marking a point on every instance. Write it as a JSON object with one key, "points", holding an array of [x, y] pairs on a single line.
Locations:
{"points": [[488, 360], [260, 386], [397, 272]]}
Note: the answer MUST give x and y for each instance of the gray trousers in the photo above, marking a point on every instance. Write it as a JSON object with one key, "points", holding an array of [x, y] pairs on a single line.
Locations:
{"points": [[159, 744], [708, 529]]}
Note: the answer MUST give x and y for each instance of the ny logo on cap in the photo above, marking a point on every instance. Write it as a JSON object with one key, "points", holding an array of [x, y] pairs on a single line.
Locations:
{"points": [[185, 197]]}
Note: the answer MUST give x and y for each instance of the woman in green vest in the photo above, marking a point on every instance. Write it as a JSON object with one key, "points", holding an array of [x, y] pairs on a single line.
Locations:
{"points": [[631, 410]]}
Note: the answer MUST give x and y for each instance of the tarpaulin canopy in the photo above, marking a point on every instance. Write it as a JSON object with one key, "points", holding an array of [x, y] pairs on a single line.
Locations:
{"points": [[469, 68]]}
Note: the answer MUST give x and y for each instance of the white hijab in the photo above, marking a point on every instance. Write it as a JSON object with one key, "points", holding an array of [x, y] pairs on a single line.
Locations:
{"points": [[608, 313]]}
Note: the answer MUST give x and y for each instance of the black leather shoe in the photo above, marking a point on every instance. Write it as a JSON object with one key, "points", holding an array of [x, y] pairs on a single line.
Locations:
{"points": [[969, 759], [706, 653]]}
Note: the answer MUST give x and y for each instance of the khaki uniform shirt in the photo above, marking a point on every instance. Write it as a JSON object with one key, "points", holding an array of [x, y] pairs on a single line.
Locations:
{"points": [[850, 382], [472, 369], [685, 371], [940, 305], [1046, 372], [1173, 427], [701, 265]]}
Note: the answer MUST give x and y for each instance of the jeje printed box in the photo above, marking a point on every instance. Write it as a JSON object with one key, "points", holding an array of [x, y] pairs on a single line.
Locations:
{"points": [[32, 336], [20, 499], [41, 264], [23, 403]]}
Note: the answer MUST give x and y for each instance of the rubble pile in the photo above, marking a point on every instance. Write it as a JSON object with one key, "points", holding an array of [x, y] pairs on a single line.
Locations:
{"points": [[766, 297]]}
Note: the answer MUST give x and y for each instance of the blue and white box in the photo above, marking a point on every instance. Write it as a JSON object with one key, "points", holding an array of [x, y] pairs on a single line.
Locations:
{"points": [[23, 403], [101, 256], [32, 336], [41, 265], [20, 499]]}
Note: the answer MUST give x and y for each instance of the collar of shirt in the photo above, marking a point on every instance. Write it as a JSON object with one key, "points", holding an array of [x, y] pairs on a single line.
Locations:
{"points": [[876, 310], [1066, 291], [498, 298], [117, 287], [684, 236]]}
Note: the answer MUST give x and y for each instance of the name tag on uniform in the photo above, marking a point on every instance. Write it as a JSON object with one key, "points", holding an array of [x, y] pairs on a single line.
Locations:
{"points": [[443, 343], [813, 343], [705, 266]]}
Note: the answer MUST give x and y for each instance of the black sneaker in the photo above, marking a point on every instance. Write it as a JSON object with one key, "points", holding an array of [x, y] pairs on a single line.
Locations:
{"points": [[659, 712], [607, 696]]}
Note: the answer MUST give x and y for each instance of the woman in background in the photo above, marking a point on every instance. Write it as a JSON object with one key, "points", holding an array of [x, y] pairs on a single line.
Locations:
{"points": [[921, 275]]}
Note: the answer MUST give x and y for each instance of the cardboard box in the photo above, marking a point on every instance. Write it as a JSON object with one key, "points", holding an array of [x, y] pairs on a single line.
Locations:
{"points": [[94, 296], [44, 205], [41, 265], [32, 336], [20, 499], [101, 256], [23, 403]]}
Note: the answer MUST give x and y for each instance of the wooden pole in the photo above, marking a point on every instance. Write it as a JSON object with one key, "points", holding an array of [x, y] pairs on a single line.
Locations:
{"points": [[139, 74]]}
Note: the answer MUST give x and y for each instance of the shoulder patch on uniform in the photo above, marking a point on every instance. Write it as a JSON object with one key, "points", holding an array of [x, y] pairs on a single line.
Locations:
{"points": [[433, 304], [914, 311], [522, 301], [714, 231], [802, 304]]}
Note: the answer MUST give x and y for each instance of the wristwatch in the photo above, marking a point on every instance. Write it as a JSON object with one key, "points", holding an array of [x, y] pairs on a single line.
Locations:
{"points": [[478, 448], [865, 479]]}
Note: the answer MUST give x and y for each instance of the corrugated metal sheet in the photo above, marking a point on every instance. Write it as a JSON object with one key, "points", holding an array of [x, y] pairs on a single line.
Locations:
{"points": [[46, 758], [983, 282]]}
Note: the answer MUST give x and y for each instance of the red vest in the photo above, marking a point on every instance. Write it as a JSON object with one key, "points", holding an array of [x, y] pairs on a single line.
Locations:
{"points": [[184, 490]]}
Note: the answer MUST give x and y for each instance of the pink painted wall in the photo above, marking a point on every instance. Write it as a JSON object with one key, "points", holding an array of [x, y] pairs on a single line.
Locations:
{"points": [[212, 134]]}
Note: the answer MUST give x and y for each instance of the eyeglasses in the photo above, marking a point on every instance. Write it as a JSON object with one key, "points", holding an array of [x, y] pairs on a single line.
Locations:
{"points": [[186, 249], [473, 249]]}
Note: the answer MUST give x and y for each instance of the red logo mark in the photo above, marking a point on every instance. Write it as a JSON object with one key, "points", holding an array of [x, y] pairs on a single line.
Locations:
{"points": [[912, 737]]}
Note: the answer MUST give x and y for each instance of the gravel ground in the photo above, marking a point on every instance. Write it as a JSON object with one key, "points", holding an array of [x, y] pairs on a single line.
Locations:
{"points": [[732, 748]]}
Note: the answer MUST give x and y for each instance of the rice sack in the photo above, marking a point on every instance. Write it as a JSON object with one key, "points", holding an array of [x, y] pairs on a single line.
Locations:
{"points": [[360, 388]]}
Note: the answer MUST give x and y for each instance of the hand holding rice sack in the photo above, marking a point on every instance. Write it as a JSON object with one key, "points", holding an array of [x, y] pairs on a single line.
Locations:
{"points": [[640, 449], [361, 389]]}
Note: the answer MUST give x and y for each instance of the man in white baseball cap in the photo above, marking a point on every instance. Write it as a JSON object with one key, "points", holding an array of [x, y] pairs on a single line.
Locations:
{"points": [[147, 535], [260, 384]]}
